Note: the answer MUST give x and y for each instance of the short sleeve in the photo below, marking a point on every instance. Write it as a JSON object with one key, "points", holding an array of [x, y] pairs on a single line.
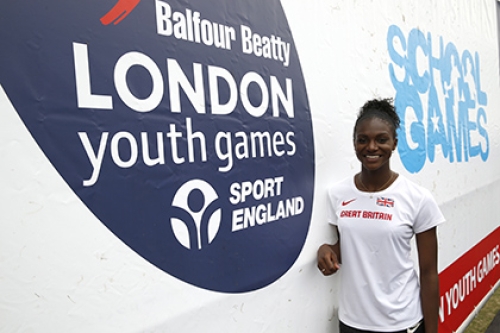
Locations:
{"points": [[428, 215], [331, 214]]}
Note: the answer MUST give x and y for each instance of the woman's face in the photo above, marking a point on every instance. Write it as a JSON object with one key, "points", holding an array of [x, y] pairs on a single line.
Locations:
{"points": [[374, 143]]}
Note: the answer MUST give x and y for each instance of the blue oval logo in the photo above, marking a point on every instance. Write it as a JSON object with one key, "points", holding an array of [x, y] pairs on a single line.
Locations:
{"points": [[183, 126]]}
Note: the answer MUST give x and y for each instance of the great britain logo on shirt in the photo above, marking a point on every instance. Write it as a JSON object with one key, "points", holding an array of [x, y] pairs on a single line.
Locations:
{"points": [[385, 202], [365, 214], [184, 126]]}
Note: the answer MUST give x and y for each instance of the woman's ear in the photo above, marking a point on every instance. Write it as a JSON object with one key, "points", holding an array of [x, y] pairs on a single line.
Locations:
{"points": [[395, 144]]}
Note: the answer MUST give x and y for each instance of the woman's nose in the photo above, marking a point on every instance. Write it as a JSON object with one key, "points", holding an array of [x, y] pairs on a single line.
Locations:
{"points": [[372, 145]]}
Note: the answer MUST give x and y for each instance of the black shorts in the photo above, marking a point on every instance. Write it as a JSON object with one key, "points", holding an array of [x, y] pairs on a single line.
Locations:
{"points": [[348, 329]]}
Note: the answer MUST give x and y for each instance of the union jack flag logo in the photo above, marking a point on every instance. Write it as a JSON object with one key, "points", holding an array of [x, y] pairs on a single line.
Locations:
{"points": [[385, 202]]}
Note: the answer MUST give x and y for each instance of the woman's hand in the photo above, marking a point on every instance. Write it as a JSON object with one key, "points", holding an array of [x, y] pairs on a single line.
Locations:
{"points": [[329, 258]]}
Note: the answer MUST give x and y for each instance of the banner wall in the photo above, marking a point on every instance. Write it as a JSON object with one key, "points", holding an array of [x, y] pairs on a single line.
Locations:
{"points": [[165, 163]]}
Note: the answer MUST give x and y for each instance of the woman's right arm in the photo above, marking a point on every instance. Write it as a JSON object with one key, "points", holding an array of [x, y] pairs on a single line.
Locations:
{"points": [[329, 257]]}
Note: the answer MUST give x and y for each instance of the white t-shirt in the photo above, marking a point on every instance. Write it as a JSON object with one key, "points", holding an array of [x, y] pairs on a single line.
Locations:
{"points": [[379, 285]]}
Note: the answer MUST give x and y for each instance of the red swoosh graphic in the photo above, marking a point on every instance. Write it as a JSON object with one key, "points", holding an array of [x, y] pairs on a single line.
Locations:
{"points": [[347, 202], [119, 11]]}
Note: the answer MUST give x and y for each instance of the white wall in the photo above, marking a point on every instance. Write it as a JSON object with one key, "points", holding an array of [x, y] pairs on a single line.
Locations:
{"points": [[62, 270]]}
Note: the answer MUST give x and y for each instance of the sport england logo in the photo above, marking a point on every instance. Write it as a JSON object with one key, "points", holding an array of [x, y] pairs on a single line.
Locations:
{"points": [[185, 128], [195, 215]]}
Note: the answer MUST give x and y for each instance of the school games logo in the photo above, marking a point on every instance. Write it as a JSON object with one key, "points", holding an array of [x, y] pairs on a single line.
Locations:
{"points": [[184, 126], [443, 109]]}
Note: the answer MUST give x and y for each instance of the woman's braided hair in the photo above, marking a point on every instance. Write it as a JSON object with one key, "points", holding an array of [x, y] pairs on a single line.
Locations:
{"points": [[382, 109]]}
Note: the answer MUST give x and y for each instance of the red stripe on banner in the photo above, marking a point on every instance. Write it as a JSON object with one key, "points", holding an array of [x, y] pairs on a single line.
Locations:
{"points": [[119, 11], [467, 281]]}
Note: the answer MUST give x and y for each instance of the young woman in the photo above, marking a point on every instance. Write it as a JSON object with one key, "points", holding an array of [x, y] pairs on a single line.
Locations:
{"points": [[375, 215]]}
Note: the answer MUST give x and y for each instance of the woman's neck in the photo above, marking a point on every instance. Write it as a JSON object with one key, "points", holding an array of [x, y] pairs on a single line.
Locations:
{"points": [[374, 181]]}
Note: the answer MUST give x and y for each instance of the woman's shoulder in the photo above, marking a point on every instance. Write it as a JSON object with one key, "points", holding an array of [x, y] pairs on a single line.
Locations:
{"points": [[412, 188], [341, 186]]}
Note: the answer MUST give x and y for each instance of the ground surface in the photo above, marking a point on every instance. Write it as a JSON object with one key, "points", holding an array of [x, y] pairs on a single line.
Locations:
{"points": [[486, 315]]}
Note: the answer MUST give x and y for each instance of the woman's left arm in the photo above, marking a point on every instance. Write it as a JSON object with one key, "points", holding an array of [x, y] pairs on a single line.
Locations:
{"points": [[429, 279]]}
